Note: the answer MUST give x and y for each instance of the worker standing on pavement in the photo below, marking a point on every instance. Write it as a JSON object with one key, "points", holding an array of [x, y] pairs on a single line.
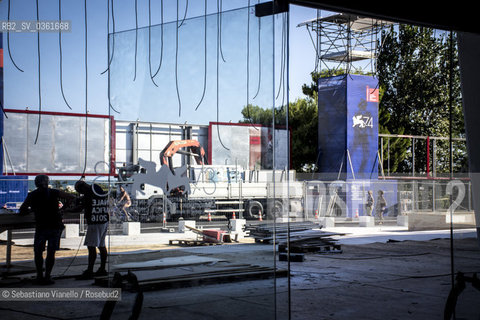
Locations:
{"points": [[370, 203], [95, 203], [381, 206], [44, 202]]}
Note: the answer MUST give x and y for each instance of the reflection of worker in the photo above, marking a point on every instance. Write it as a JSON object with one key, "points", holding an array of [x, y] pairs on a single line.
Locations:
{"points": [[369, 204], [125, 202], [44, 202], [96, 212], [381, 206]]}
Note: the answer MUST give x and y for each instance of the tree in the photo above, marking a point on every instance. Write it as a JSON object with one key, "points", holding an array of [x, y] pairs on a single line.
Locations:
{"points": [[414, 65], [302, 123]]}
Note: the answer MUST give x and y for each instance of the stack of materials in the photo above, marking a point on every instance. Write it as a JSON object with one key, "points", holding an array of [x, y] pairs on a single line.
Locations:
{"points": [[158, 275], [296, 237]]}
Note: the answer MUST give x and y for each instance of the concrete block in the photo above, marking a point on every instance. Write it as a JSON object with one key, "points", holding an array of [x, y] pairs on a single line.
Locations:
{"points": [[237, 235], [131, 228], [366, 221], [71, 231], [402, 221], [3, 236], [439, 221], [327, 222], [183, 223], [237, 224]]}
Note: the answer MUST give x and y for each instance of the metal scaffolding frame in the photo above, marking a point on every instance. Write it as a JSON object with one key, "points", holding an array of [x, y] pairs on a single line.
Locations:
{"points": [[345, 41]]}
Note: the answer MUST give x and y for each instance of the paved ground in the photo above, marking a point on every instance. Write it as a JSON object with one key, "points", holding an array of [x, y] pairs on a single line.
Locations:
{"points": [[383, 273]]}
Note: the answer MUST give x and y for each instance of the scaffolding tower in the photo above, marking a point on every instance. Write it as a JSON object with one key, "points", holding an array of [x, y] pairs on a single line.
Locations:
{"points": [[345, 42]]}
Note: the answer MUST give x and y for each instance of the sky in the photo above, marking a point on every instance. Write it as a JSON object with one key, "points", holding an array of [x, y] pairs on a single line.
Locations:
{"points": [[137, 99]]}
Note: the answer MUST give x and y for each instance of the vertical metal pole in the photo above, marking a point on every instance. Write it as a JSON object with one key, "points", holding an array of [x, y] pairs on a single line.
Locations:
{"points": [[428, 157], [9, 249], [151, 141], [135, 142], [388, 156], [413, 157], [381, 148], [450, 118], [433, 196], [434, 158]]}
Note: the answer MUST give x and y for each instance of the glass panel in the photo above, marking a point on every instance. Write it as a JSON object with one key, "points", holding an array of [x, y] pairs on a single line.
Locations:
{"points": [[207, 89], [397, 218]]}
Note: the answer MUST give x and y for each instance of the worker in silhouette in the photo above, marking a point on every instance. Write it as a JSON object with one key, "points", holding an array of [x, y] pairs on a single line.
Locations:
{"points": [[45, 203], [95, 203]]}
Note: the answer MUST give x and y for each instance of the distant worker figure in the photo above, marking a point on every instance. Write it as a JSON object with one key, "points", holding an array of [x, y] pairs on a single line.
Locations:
{"points": [[125, 202], [370, 202], [95, 203], [381, 206], [45, 204]]}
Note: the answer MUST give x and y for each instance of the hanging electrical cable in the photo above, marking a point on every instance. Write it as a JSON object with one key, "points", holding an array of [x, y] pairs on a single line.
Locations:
{"points": [[108, 52], [113, 31], [86, 86], [161, 39], [285, 60], [136, 41], [39, 78], [248, 67], [204, 57], [61, 54], [221, 16], [150, 42], [259, 56], [282, 59], [176, 67], [218, 73], [8, 40], [184, 15]]}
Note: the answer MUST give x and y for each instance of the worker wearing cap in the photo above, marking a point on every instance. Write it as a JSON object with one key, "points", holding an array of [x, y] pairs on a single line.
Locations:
{"points": [[95, 203], [45, 204]]}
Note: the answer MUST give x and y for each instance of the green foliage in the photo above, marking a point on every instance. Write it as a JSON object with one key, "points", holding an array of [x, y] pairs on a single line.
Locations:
{"points": [[302, 123], [413, 70]]}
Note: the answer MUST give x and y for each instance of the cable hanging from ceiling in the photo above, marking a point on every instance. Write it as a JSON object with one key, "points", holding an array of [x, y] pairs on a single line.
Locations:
{"points": [[39, 78], [109, 60], [204, 57], [176, 66], [220, 28], [259, 55], [150, 43], [248, 68], [218, 73], [8, 40], [281, 86], [136, 41], [185, 14], [61, 54], [161, 39], [113, 32], [86, 86]]}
